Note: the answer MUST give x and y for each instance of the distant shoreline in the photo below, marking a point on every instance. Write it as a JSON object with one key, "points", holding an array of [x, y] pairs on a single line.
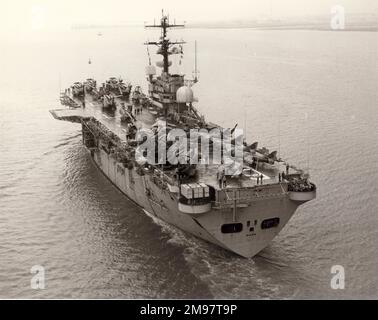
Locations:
{"points": [[356, 22], [291, 27], [294, 26]]}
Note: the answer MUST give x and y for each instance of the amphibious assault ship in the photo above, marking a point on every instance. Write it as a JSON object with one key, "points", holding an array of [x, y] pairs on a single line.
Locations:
{"points": [[238, 205]]}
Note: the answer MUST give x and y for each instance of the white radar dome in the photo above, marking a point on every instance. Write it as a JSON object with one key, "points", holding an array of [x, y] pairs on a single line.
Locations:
{"points": [[184, 95], [160, 64], [150, 70]]}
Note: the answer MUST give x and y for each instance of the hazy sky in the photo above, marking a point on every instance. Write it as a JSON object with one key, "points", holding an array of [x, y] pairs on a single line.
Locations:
{"points": [[28, 14]]}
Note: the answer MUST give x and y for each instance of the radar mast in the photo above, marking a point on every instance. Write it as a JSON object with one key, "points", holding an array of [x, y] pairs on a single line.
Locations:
{"points": [[164, 44]]}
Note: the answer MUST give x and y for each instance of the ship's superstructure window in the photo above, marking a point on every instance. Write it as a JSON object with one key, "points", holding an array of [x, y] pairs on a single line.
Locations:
{"points": [[270, 223], [232, 228]]}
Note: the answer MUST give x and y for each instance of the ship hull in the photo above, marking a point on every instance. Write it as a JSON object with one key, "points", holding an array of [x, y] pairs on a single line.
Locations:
{"points": [[158, 201], [240, 206]]}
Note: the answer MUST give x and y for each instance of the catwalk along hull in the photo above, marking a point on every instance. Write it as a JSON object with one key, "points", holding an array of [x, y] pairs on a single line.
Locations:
{"points": [[149, 193]]}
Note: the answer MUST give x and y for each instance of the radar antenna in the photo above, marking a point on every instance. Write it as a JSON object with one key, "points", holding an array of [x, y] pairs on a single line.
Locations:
{"points": [[164, 44], [195, 63], [148, 54]]}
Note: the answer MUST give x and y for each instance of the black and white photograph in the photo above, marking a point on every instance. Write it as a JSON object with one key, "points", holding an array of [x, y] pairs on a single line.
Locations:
{"points": [[179, 150]]}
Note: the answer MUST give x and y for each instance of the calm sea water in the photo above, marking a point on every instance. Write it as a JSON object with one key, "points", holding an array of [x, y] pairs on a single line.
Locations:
{"points": [[311, 94]]}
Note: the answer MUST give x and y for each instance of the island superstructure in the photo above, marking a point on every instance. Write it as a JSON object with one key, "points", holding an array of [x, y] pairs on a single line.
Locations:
{"points": [[238, 205]]}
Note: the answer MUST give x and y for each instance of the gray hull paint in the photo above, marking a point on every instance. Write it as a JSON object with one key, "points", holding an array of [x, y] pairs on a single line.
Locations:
{"points": [[159, 202]]}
